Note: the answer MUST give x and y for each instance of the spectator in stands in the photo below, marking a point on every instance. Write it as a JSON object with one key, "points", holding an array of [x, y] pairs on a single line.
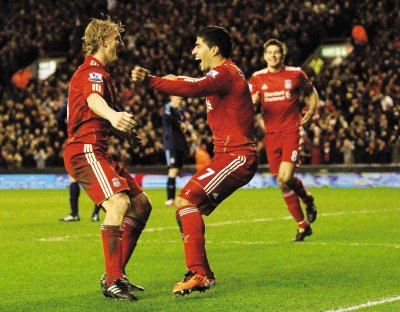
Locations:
{"points": [[348, 151], [349, 87], [40, 158], [202, 156], [74, 188]]}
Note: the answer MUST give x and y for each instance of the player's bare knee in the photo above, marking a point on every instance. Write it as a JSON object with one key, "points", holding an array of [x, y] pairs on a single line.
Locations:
{"points": [[282, 183], [117, 204], [180, 202], [173, 172], [141, 207], [285, 179]]}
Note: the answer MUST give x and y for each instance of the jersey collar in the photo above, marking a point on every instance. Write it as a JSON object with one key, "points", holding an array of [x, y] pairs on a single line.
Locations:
{"points": [[92, 58]]}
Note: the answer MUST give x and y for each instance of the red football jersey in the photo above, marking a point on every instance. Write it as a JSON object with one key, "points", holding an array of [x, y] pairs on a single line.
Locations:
{"points": [[230, 112], [279, 95], [84, 125]]}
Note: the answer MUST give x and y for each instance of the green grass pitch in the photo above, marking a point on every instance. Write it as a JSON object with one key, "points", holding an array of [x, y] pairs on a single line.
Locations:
{"points": [[353, 256]]}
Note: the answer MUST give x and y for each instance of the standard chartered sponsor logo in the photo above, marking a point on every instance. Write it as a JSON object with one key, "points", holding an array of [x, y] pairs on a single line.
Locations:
{"points": [[276, 96], [275, 93]]}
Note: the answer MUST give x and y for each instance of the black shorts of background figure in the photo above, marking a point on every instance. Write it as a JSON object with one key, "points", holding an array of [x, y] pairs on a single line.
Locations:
{"points": [[174, 158]]}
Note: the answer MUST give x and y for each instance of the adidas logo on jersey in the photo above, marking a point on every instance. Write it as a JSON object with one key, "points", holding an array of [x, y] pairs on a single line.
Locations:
{"points": [[264, 87], [186, 238], [215, 195], [209, 107]]}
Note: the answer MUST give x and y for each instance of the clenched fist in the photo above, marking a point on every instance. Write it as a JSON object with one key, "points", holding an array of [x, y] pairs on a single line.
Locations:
{"points": [[139, 74]]}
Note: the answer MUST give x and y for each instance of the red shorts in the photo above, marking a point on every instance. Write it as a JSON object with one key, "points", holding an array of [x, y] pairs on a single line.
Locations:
{"points": [[215, 182], [283, 146], [98, 173]]}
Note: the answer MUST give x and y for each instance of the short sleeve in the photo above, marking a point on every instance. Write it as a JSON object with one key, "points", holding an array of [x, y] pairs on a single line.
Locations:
{"points": [[253, 85], [93, 81]]}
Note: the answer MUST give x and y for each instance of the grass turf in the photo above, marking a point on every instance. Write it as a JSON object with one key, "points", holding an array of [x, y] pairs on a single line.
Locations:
{"points": [[352, 258]]}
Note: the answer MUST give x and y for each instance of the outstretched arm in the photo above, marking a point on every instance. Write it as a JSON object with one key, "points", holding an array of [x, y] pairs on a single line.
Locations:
{"points": [[205, 86]]}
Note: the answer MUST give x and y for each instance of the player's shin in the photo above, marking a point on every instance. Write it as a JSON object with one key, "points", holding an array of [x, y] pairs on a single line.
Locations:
{"points": [[293, 204], [74, 191], [193, 238], [179, 221], [297, 186], [171, 188], [112, 247], [132, 230]]}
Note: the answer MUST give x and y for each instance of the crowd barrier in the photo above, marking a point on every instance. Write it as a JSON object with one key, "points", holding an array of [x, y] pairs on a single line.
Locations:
{"points": [[260, 180]]}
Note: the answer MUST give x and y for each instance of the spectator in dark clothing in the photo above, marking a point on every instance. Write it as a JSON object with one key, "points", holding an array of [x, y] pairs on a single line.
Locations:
{"points": [[74, 188], [174, 143]]}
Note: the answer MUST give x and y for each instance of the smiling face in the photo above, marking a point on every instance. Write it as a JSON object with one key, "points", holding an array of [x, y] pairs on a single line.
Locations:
{"points": [[203, 54], [274, 57]]}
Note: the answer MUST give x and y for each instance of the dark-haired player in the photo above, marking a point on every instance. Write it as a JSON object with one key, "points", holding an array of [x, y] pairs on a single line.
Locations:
{"points": [[230, 115]]}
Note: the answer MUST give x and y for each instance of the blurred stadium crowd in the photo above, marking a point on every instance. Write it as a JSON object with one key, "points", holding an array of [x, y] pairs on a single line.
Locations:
{"points": [[358, 120]]}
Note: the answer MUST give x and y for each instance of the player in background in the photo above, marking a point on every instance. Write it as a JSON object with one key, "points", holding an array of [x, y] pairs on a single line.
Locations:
{"points": [[174, 143], [74, 192], [74, 189], [278, 88], [230, 115], [92, 115]]}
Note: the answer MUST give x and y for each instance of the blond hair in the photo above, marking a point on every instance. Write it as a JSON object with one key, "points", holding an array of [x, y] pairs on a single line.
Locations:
{"points": [[96, 31]]}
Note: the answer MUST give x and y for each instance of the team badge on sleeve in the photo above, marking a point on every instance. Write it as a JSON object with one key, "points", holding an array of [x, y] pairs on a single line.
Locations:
{"points": [[212, 73], [95, 77]]}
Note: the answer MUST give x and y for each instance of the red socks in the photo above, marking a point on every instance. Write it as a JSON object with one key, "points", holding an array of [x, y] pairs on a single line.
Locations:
{"points": [[132, 230], [112, 247], [118, 246], [293, 204], [193, 238]]}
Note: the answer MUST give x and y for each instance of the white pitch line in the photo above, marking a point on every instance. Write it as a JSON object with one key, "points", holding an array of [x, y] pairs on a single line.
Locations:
{"points": [[367, 305], [333, 214], [397, 246], [216, 224], [56, 238], [237, 242]]}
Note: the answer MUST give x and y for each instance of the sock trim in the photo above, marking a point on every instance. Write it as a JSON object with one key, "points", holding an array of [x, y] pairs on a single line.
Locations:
{"points": [[184, 210], [287, 194]]}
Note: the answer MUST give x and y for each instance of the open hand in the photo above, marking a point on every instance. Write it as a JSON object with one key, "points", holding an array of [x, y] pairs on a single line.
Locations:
{"points": [[122, 121]]}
